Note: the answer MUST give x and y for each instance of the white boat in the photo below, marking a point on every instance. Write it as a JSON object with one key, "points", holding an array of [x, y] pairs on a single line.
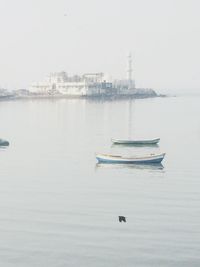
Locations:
{"points": [[149, 159], [136, 142]]}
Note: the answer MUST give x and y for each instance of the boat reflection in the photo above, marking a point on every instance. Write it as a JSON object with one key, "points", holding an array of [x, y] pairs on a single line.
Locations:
{"points": [[153, 167]]}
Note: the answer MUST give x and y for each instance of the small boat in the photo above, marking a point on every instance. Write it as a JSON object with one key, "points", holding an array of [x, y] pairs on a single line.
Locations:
{"points": [[150, 159], [136, 142], [4, 142]]}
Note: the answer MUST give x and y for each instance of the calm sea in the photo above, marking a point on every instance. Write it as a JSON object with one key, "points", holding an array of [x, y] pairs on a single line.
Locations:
{"points": [[59, 208]]}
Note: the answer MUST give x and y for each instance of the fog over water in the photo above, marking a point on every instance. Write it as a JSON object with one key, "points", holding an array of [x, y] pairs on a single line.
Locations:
{"points": [[58, 207]]}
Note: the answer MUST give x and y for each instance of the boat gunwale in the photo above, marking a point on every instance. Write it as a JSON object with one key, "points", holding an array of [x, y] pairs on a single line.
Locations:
{"points": [[147, 157], [136, 141]]}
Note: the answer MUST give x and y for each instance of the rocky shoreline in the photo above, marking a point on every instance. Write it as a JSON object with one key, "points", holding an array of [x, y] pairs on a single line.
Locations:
{"points": [[138, 93]]}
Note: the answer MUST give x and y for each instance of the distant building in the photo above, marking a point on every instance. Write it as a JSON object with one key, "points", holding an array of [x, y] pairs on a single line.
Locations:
{"points": [[89, 84]]}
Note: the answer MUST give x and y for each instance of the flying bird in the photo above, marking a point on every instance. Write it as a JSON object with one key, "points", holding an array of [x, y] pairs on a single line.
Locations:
{"points": [[122, 219]]}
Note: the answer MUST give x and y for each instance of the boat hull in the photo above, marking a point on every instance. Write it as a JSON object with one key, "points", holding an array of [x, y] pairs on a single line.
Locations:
{"points": [[136, 142], [110, 159]]}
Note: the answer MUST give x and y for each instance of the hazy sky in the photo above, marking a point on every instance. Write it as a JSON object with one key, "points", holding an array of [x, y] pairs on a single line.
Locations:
{"points": [[42, 36]]}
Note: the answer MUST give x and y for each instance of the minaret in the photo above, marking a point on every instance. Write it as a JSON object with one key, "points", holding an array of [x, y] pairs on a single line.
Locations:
{"points": [[131, 82], [130, 70]]}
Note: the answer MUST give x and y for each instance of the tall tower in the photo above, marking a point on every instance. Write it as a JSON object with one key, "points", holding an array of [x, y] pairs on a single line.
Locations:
{"points": [[131, 83], [130, 70]]}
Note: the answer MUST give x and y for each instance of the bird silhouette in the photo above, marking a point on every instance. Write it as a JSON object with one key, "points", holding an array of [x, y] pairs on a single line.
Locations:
{"points": [[122, 219]]}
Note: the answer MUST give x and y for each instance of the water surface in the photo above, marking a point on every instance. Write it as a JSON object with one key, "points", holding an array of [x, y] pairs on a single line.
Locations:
{"points": [[59, 208]]}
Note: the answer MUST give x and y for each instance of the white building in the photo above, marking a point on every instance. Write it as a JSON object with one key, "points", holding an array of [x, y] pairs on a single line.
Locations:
{"points": [[89, 84]]}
